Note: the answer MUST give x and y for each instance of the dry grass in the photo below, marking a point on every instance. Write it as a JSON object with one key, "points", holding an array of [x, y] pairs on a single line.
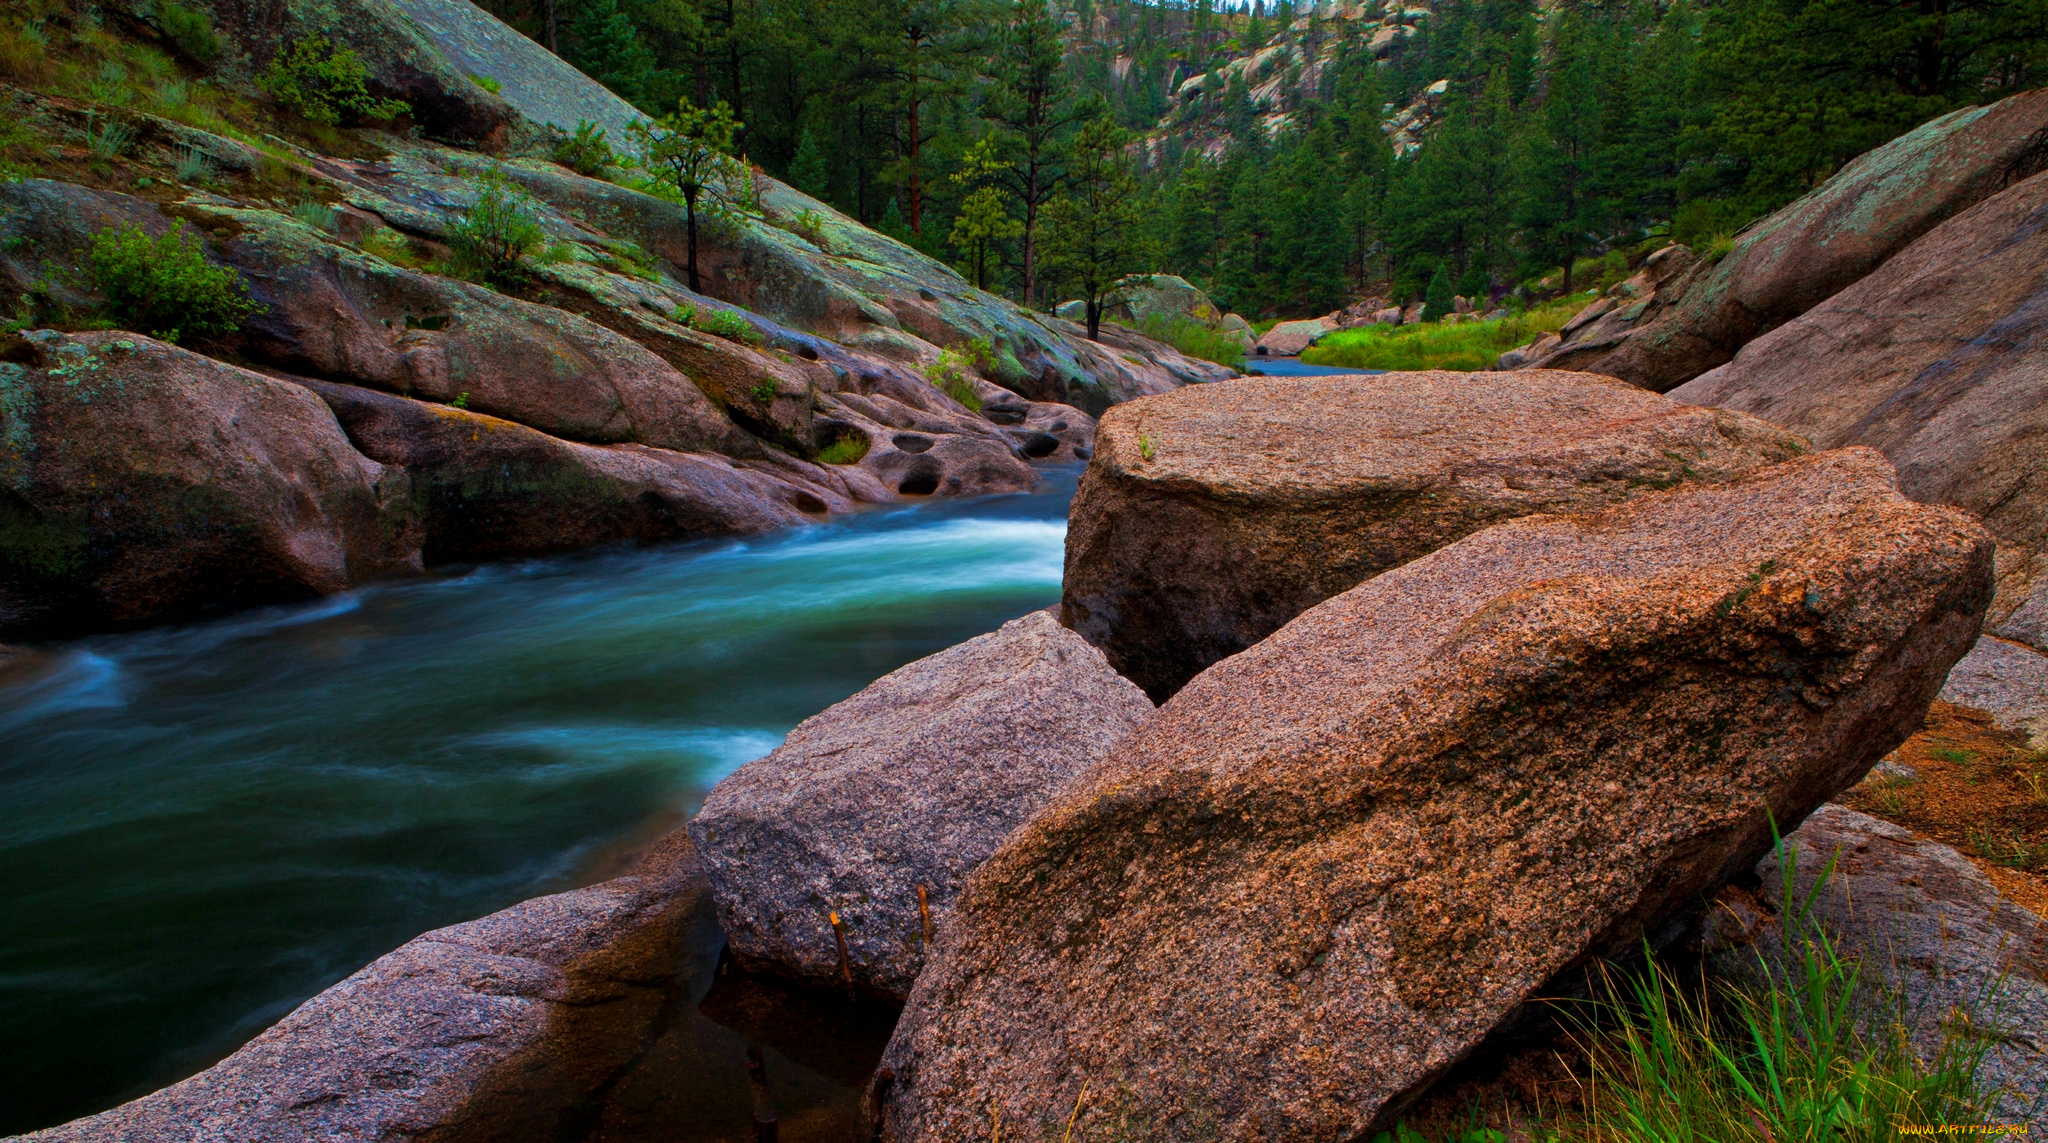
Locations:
{"points": [[1978, 789]]}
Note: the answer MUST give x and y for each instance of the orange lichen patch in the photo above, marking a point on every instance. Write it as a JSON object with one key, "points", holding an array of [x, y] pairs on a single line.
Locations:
{"points": [[1976, 787]]}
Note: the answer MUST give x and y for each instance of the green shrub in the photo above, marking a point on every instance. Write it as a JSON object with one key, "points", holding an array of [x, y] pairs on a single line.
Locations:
{"points": [[324, 83], [165, 287], [191, 32], [727, 324], [1717, 247], [1436, 301], [949, 375], [494, 238], [487, 83], [847, 449], [586, 152]]}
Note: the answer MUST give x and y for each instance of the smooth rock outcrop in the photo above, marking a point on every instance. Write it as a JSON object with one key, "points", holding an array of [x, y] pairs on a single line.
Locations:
{"points": [[1333, 863], [140, 481], [1819, 245], [1936, 359], [907, 785], [1259, 499], [499, 1029], [1928, 923], [488, 487], [2009, 682]]}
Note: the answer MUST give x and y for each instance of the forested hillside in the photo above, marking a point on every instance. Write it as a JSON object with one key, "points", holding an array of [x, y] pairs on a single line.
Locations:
{"points": [[1363, 149]]}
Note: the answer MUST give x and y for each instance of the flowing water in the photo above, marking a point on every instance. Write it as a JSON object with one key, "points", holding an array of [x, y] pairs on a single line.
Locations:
{"points": [[201, 826]]}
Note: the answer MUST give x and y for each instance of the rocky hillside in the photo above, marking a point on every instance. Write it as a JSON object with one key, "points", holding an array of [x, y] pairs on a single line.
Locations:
{"points": [[818, 365]]}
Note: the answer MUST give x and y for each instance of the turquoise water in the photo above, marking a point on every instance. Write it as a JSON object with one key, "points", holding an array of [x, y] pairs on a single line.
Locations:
{"points": [[202, 826]]}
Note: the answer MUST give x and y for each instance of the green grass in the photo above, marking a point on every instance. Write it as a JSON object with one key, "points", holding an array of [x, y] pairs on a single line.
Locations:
{"points": [[1806, 1044], [1193, 339], [845, 450], [1466, 346]]}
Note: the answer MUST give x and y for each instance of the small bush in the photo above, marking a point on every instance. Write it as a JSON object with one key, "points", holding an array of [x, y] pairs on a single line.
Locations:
{"points": [[165, 287], [1717, 247], [189, 31], [727, 324], [324, 83], [949, 375], [493, 240], [586, 152], [487, 83]]}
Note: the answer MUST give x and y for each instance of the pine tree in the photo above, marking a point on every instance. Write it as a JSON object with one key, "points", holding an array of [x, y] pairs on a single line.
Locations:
{"points": [[1092, 229], [691, 152], [608, 49], [1436, 301], [807, 171], [1032, 101]]}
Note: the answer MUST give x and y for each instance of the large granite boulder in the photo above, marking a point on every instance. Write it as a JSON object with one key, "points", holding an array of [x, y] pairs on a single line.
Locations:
{"points": [[486, 487], [1934, 358], [1211, 516], [500, 1029], [1808, 251], [139, 481], [1924, 921], [1333, 863], [876, 810]]}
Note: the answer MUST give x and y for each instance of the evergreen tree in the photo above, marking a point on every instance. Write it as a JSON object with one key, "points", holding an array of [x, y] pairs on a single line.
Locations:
{"points": [[1092, 228], [1436, 301], [1033, 103], [807, 170], [690, 151], [608, 49]]}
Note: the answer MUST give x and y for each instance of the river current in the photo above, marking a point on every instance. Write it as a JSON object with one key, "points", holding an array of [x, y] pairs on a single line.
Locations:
{"points": [[203, 825]]}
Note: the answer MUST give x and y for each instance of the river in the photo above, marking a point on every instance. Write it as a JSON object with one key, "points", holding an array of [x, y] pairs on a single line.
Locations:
{"points": [[204, 825]]}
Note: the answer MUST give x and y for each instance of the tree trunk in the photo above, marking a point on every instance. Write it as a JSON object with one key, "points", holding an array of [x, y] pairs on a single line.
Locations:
{"points": [[554, 45], [1031, 239], [916, 180], [690, 213], [1094, 318]]}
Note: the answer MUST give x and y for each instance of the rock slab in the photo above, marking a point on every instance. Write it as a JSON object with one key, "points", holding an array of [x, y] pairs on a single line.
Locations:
{"points": [[1935, 359], [2009, 682], [910, 783], [1824, 242], [1333, 863], [1260, 499]]}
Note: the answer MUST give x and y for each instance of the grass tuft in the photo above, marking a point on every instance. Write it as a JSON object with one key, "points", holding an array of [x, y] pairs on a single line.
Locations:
{"points": [[1194, 339]]}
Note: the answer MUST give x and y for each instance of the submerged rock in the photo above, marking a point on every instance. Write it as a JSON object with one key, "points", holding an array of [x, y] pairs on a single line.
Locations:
{"points": [[1933, 358], [1822, 243], [877, 809], [1211, 516], [140, 481], [1333, 863], [503, 1028]]}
